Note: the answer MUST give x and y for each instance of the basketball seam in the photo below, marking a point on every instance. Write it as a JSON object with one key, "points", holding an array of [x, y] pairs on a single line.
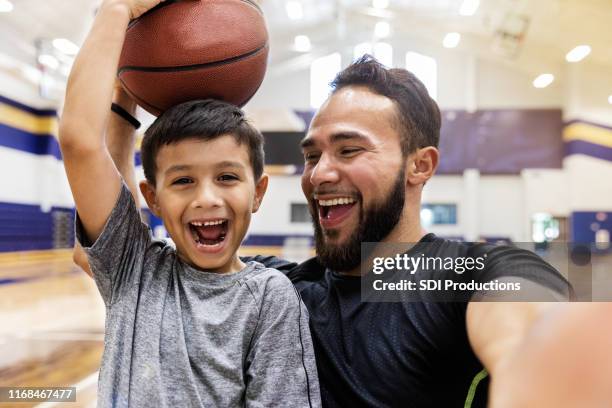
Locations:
{"points": [[194, 66], [171, 2]]}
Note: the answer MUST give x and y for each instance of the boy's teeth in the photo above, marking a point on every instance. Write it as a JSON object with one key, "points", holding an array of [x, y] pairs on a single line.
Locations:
{"points": [[206, 223], [336, 201]]}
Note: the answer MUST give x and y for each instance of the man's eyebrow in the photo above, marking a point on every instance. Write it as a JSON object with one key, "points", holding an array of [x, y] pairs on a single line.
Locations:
{"points": [[339, 137], [306, 142], [335, 138]]}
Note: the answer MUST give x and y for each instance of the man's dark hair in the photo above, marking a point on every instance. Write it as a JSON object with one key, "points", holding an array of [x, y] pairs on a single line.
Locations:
{"points": [[418, 115], [201, 120]]}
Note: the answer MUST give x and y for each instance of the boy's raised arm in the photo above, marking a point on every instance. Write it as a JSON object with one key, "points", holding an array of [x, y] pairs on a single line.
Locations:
{"points": [[94, 179], [120, 140]]}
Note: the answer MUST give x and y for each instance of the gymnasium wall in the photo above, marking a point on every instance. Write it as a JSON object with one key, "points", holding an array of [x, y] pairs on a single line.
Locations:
{"points": [[488, 205]]}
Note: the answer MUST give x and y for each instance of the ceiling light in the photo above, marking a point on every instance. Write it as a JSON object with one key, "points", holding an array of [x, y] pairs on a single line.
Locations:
{"points": [[451, 40], [48, 61], [66, 46], [380, 4], [469, 7], [578, 53], [543, 80], [302, 43], [294, 10], [382, 29], [6, 6]]}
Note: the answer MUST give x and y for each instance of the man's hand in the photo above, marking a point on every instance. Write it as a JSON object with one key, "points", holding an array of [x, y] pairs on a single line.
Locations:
{"points": [[564, 362], [136, 8], [79, 257]]}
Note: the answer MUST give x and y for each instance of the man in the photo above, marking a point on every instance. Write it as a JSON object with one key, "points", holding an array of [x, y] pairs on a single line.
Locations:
{"points": [[368, 153]]}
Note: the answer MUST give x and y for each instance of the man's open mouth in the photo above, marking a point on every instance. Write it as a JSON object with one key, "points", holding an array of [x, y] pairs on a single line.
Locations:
{"points": [[209, 233], [335, 209]]}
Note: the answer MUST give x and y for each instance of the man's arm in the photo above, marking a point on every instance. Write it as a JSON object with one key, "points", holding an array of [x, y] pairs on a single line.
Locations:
{"points": [[94, 179], [497, 329]]}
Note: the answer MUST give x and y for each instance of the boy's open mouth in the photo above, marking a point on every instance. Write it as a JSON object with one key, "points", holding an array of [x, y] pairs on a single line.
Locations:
{"points": [[209, 233]]}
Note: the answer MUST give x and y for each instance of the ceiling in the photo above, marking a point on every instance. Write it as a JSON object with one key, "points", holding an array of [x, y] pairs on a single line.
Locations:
{"points": [[550, 28]]}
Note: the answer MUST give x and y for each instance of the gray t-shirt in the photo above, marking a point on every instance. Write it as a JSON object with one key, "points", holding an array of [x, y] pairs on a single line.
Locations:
{"points": [[180, 337]]}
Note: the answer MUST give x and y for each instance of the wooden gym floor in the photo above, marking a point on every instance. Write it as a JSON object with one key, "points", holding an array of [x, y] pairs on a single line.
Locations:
{"points": [[51, 325]]}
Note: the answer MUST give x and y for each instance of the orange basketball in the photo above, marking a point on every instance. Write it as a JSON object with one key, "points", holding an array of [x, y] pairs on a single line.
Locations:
{"points": [[194, 49]]}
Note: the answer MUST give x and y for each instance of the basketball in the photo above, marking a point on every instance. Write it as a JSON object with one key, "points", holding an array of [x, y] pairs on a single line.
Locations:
{"points": [[194, 49]]}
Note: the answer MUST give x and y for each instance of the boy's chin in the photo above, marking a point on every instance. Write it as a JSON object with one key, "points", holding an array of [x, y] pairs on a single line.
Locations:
{"points": [[220, 262]]}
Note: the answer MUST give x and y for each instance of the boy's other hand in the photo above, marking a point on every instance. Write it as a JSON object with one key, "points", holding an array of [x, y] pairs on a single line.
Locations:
{"points": [[79, 257], [136, 8]]}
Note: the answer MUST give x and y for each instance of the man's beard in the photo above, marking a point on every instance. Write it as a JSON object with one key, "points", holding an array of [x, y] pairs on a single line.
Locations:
{"points": [[373, 226]]}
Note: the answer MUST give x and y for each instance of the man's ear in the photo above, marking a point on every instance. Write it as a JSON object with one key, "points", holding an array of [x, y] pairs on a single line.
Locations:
{"points": [[421, 165], [148, 192], [260, 191]]}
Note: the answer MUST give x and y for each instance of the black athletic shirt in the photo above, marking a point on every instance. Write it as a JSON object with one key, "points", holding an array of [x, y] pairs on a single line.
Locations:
{"points": [[410, 354]]}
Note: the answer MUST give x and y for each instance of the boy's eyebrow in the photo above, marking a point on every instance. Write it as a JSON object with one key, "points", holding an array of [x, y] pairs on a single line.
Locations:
{"points": [[177, 168], [229, 163]]}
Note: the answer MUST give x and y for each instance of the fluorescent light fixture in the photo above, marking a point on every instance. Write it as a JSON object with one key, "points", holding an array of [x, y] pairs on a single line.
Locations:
{"points": [[610, 99], [48, 61], [578, 53], [382, 29], [383, 52], [302, 43], [469, 7], [66, 46], [322, 71], [451, 40], [543, 80], [380, 4], [6, 6], [294, 10]]}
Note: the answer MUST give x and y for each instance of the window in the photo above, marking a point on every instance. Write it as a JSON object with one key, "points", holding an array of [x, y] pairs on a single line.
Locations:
{"points": [[382, 51], [300, 213], [438, 214], [426, 69], [322, 71]]}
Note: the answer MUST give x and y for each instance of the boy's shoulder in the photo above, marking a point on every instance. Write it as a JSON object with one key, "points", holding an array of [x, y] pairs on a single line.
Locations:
{"points": [[265, 281]]}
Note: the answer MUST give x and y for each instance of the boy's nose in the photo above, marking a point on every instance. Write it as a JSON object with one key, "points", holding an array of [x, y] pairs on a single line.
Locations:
{"points": [[207, 197]]}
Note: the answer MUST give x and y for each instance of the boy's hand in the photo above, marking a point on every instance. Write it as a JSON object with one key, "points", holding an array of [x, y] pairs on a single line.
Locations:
{"points": [[136, 8]]}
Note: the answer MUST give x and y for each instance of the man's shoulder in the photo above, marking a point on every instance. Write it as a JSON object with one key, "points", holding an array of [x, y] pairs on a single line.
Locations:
{"points": [[309, 270]]}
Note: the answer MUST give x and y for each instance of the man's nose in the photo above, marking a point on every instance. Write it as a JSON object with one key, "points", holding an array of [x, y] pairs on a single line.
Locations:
{"points": [[325, 171]]}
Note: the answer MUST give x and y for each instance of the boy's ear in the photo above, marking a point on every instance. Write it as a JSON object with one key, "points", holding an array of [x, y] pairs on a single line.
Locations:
{"points": [[260, 190], [148, 192]]}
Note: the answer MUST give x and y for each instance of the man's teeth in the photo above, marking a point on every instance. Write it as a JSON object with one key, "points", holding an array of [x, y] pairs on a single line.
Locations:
{"points": [[336, 201], [206, 223]]}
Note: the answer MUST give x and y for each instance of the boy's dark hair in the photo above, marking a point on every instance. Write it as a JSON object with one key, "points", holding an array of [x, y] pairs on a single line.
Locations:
{"points": [[202, 120], [418, 115]]}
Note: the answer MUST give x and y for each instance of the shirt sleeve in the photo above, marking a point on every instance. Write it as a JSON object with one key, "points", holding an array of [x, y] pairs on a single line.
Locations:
{"points": [[116, 256], [281, 369], [508, 263]]}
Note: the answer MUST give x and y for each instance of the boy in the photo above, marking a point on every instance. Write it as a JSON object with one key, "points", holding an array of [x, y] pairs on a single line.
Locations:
{"points": [[193, 326]]}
